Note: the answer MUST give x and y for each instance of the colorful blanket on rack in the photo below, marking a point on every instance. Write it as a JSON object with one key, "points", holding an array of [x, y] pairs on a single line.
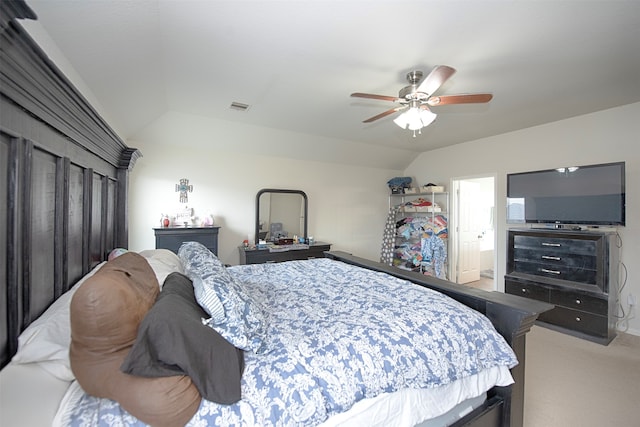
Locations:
{"points": [[423, 245]]}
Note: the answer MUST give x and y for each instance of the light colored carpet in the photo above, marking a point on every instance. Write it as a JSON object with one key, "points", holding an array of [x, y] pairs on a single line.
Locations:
{"points": [[573, 382]]}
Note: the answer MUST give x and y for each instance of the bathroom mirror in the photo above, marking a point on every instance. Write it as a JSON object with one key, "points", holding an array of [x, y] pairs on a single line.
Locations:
{"points": [[280, 213]]}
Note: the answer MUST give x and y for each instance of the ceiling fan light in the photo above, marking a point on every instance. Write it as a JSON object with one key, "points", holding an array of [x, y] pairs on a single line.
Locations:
{"points": [[427, 117], [402, 120], [413, 114], [415, 119], [415, 125]]}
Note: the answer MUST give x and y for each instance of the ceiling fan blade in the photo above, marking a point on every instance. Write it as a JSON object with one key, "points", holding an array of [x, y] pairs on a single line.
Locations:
{"points": [[381, 115], [476, 98], [435, 79], [372, 96]]}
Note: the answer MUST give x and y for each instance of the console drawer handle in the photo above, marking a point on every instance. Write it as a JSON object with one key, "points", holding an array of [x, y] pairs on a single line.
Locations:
{"points": [[555, 245], [577, 319], [553, 258], [544, 270], [578, 302]]}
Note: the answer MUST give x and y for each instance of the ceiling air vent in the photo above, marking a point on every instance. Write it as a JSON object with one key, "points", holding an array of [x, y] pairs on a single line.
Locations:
{"points": [[239, 106]]}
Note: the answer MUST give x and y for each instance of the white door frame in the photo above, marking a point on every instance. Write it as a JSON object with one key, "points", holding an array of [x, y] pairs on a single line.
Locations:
{"points": [[453, 225]]}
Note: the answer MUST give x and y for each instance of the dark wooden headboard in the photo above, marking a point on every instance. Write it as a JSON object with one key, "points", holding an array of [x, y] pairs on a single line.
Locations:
{"points": [[63, 181]]}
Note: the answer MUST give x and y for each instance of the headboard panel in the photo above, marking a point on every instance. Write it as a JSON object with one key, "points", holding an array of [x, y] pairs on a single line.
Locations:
{"points": [[63, 182]]}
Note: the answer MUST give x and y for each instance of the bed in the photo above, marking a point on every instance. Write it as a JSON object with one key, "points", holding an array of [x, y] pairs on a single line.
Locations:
{"points": [[65, 181]]}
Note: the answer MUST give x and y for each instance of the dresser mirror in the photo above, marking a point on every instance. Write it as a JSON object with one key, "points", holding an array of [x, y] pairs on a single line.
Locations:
{"points": [[280, 214]]}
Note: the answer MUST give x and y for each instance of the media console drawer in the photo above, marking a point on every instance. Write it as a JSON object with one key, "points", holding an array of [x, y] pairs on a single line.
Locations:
{"points": [[526, 290], [556, 259], [579, 302], [556, 244], [575, 320], [557, 271]]}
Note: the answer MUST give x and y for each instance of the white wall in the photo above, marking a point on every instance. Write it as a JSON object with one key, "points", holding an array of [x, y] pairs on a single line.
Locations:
{"points": [[347, 204], [606, 136]]}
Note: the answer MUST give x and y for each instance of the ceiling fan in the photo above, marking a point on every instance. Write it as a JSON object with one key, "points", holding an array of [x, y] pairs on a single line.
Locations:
{"points": [[416, 99]]}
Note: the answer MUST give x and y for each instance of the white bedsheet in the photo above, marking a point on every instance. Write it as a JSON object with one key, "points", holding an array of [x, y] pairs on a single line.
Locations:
{"points": [[29, 395], [410, 407], [404, 408]]}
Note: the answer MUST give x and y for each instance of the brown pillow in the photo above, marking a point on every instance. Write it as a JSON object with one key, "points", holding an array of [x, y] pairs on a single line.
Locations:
{"points": [[105, 314]]}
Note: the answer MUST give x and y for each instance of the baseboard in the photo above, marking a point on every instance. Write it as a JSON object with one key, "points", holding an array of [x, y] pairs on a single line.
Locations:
{"points": [[630, 331]]}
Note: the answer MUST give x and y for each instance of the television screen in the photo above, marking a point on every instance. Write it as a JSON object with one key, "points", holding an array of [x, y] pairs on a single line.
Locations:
{"points": [[590, 195]]}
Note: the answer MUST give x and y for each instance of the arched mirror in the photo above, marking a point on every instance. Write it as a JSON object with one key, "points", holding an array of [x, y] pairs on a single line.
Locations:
{"points": [[280, 214]]}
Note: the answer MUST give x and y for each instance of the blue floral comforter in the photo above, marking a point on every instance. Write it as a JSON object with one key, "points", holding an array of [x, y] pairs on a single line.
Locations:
{"points": [[339, 334]]}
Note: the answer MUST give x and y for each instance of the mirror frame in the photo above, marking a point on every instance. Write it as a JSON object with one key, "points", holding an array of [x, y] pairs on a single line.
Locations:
{"points": [[280, 191]]}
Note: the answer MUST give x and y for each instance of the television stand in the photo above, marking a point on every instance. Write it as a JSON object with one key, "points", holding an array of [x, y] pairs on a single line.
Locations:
{"points": [[574, 270]]}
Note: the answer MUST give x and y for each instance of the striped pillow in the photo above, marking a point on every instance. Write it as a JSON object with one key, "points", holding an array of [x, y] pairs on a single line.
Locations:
{"points": [[208, 300]]}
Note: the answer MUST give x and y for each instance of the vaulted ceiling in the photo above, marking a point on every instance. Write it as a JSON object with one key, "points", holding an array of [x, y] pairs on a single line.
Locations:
{"points": [[295, 63]]}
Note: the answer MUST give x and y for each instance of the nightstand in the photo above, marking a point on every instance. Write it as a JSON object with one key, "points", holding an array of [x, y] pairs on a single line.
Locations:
{"points": [[172, 237]]}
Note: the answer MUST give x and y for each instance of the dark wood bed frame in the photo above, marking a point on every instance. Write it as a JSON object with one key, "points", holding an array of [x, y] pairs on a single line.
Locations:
{"points": [[64, 178]]}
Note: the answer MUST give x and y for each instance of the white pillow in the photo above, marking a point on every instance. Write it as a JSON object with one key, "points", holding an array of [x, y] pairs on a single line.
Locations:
{"points": [[48, 338], [163, 262]]}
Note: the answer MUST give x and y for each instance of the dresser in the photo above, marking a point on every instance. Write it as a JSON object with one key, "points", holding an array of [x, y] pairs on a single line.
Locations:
{"points": [[172, 237], [259, 256], [574, 270]]}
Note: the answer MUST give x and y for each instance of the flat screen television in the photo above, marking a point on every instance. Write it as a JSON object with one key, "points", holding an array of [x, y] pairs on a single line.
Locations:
{"points": [[585, 195]]}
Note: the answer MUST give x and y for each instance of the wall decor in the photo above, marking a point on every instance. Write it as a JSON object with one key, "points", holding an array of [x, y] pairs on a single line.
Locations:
{"points": [[183, 187]]}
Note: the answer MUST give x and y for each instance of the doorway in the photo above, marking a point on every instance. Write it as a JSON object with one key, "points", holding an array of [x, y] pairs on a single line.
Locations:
{"points": [[472, 252]]}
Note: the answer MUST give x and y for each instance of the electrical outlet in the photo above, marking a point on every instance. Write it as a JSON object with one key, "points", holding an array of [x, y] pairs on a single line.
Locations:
{"points": [[631, 300]]}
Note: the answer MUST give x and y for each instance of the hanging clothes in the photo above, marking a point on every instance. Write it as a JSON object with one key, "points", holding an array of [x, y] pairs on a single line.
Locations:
{"points": [[434, 253], [389, 237]]}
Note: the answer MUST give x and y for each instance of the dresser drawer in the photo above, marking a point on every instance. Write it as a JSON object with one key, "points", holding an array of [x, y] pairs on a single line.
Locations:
{"points": [[574, 274], [526, 290], [580, 302], [173, 237], [260, 256], [554, 258], [557, 244], [577, 320]]}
